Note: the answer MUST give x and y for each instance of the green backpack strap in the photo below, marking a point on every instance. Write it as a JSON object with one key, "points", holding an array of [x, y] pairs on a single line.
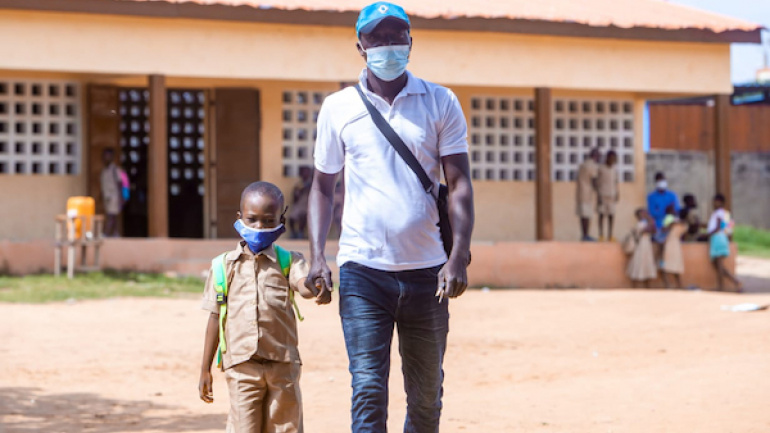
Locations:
{"points": [[284, 260], [218, 267]]}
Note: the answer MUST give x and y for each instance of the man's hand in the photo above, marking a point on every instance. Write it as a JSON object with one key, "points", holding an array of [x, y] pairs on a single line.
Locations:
{"points": [[205, 387], [453, 276], [319, 280]]}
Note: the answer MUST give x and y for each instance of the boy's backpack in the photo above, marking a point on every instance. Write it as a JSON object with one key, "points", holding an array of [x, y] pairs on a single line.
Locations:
{"points": [[218, 267], [125, 185]]}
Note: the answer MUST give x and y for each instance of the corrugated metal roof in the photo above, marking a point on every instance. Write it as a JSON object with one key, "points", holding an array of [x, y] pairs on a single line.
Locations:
{"points": [[597, 13]]}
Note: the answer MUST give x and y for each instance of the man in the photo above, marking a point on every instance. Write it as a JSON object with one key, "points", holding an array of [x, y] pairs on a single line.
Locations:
{"points": [[660, 199], [391, 256], [298, 211], [587, 192]]}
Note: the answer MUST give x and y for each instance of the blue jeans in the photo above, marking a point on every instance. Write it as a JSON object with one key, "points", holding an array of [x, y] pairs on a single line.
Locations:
{"points": [[371, 303]]}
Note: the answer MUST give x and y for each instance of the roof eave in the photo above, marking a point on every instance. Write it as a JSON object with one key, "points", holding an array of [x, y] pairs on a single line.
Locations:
{"points": [[163, 9]]}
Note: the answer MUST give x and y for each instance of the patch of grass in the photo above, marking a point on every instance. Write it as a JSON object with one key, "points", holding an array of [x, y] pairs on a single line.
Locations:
{"points": [[751, 241], [96, 285]]}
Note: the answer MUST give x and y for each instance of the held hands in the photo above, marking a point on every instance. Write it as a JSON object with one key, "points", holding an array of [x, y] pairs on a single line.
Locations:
{"points": [[205, 387], [319, 281], [453, 277]]}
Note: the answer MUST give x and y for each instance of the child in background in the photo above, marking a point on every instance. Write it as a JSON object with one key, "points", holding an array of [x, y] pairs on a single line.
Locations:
{"points": [[260, 357], [641, 266], [300, 195], [720, 223], [609, 194], [112, 192], [672, 263], [689, 216]]}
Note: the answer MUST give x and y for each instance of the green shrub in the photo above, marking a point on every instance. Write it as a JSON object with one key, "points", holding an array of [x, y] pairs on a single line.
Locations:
{"points": [[751, 241]]}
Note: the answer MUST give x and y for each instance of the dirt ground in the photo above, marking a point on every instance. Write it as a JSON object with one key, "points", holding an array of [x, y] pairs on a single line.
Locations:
{"points": [[518, 361]]}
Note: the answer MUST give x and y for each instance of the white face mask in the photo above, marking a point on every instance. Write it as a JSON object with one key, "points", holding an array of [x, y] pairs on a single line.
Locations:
{"points": [[387, 62], [661, 185]]}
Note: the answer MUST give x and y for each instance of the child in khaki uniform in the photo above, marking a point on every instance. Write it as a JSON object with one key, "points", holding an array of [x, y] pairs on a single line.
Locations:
{"points": [[261, 361], [609, 194], [586, 191]]}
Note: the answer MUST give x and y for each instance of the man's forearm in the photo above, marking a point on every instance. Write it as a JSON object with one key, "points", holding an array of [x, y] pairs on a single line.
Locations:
{"points": [[461, 216], [320, 206]]}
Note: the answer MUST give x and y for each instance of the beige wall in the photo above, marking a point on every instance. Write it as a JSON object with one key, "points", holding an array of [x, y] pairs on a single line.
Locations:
{"points": [[107, 44], [505, 210], [495, 264], [30, 203]]}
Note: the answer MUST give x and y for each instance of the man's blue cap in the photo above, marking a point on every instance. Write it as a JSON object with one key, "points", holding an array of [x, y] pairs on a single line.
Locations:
{"points": [[373, 14]]}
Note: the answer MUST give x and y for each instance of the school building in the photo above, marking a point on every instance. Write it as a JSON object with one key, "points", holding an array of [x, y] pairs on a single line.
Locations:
{"points": [[202, 97]]}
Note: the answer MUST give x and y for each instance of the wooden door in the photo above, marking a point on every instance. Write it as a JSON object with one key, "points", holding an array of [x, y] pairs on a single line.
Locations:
{"points": [[103, 132], [234, 158]]}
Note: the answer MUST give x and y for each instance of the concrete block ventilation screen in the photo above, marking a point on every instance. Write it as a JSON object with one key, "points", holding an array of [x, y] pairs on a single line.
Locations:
{"points": [[582, 124], [300, 115], [502, 138], [39, 127]]}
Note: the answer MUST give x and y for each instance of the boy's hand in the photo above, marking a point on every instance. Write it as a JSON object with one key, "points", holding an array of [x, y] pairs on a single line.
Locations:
{"points": [[205, 387], [319, 280], [323, 292]]}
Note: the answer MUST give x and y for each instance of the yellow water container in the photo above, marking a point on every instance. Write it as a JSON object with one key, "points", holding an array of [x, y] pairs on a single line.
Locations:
{"points": [[85, 208]]}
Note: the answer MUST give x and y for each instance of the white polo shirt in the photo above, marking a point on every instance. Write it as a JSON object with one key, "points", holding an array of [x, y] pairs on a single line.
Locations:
{"points": [[389, 222]]}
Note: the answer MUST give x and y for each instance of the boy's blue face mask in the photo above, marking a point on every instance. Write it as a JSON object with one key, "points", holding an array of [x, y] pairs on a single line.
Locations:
{"points": [[258, 239]]}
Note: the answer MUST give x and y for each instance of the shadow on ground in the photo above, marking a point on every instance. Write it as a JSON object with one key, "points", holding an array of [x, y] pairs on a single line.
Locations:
{"points": [[755, 284], [29, 410]]}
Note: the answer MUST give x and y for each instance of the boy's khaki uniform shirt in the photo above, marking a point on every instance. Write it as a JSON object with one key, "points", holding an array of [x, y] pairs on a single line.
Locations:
{"points": [[607, 181], [260, 318], [586, 194]]}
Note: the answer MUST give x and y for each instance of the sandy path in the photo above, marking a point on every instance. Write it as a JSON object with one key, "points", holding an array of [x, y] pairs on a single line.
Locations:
{"points": [[550, 361]]}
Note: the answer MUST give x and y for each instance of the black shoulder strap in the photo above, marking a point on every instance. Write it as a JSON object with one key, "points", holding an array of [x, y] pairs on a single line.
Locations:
{"points": [[397, 143]]}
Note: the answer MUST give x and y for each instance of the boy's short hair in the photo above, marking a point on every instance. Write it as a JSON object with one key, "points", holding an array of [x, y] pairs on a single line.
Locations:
{"points": [[719, 197], [263, 188], [659, 176], [639, 211]]}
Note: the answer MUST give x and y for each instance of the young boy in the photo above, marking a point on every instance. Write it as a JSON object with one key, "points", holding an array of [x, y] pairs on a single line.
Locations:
{"points": [[609, 194], [259, 352]]}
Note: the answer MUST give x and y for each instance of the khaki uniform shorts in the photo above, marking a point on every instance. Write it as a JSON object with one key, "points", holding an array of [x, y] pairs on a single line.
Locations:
{"points": [[264, 397], [607, 206], [585, 209]]}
